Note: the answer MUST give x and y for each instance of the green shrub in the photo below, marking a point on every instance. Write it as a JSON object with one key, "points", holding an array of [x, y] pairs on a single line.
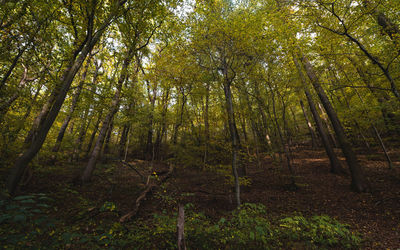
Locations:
{"points": [[24, 221], [321, 230], [247, 228], [25, 224]]}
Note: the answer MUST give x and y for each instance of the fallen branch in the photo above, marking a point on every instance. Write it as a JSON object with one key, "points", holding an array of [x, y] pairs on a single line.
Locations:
{"points": [[149, 187]]}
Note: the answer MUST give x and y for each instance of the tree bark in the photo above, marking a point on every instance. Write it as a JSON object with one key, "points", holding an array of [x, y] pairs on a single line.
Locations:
{"points": [[149, 144], [123, 140], [314, 143], [106, 149], [180, 119], [163, 129], [336, 167], [284, 145], [75, 100], [206, 124], [113, 109], [93, 135], [232, 130], [359, 182], [81, 136]]}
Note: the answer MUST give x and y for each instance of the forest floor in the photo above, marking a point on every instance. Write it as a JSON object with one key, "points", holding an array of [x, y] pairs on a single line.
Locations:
{"points": [[376, 214]]}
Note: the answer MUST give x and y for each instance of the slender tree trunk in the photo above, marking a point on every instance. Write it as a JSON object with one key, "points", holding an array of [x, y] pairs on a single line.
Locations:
{"points": [[327, 126], [106, 149], [284, 144], [113, 109], [123, 140], [314, 143], [206, 125], [242, 121], [163, 128], [336, 167], [13, 64], [150, 132], [232, 130], [4, 107], [180, 119], [378, 136], [75, 100], [359, 182], [81, 136], [93, 135], [58, 94], [39, 120], [255, 136], [27, 113], [127, 145], [296, 124]]}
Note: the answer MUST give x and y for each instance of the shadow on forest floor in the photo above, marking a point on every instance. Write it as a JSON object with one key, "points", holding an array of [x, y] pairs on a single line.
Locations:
{"points": [[375, 214]]}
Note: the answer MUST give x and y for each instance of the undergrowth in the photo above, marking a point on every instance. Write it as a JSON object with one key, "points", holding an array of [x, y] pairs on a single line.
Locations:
{"points": [[26, 223]]}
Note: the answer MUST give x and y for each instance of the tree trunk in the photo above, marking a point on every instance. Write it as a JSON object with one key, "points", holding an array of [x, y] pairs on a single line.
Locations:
{"points": [[314, 141], [206, 125], [58, 94], [113, 109], [96, 127], [39, 120], [7, 104], [284, 144], [163, 128], [106, 149], [81, 136], [123, 140], [149, 144], [378, 136], [296, 125], [232, 130], [336, 167], [180, 119], [74, 103], [359, 182], [12, 66]]}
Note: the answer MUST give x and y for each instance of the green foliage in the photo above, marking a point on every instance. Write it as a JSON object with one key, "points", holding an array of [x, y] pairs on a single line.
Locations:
{"points": [[248, 227], [226, 172], [24, 221], [321, 230]]}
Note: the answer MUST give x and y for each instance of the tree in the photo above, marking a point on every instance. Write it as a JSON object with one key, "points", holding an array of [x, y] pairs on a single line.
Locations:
{"points": [[82, 48]]}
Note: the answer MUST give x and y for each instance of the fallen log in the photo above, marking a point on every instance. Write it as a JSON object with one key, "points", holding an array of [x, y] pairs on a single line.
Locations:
{"points": [[149, 187]]}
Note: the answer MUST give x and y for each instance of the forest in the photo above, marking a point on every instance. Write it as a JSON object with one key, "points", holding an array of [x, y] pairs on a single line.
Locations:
{"points": [[200, 124]]}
